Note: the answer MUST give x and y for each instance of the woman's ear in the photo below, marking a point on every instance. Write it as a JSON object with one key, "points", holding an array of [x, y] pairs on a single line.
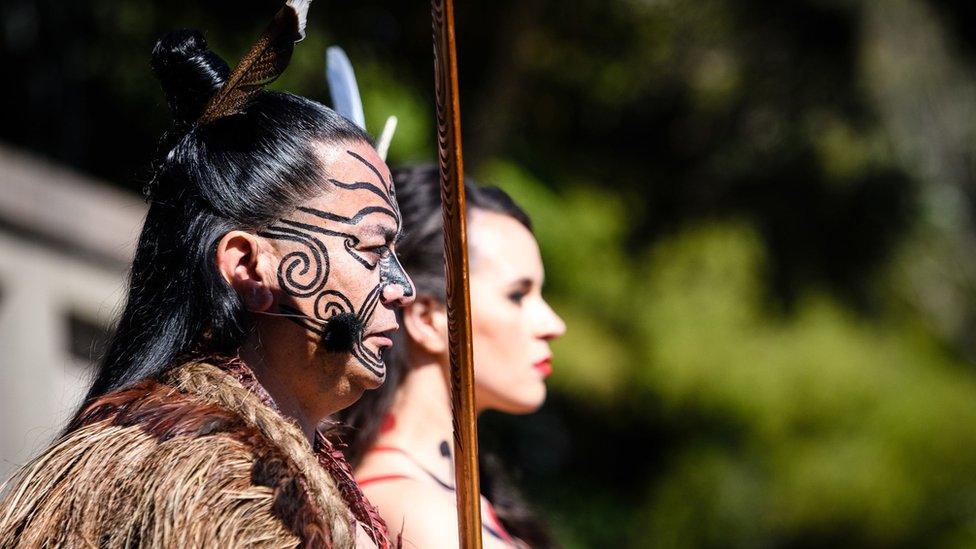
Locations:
{"points": [[240, 262], [425, 322]]}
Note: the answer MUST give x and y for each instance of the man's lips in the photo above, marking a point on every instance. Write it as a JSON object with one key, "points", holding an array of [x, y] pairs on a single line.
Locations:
{"points": [[544, 366], [382, 337]]}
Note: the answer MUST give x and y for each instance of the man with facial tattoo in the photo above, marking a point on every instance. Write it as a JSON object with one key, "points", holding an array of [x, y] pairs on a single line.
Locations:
{"points": [[261, 297]]}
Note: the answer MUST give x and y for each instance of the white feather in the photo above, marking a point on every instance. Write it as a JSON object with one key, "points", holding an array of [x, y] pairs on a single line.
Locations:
{"points": [[383, 143], [343, 87], [301, 10]]}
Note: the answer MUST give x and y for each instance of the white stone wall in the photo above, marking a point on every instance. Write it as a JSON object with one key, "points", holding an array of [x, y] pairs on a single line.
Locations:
{"points": [[65, 242]]}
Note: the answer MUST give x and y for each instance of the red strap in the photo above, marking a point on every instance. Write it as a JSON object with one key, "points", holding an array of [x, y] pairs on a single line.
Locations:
{"points": [[497, 524], [381, 478], [386, 449]]}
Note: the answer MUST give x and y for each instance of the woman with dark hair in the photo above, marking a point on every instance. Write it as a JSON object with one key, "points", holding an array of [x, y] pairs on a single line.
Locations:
{"points": [[399, 436], [261, 297]]}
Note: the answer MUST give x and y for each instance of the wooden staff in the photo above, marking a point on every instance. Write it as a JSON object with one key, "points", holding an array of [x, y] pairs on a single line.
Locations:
{"points": [[456, 257]]}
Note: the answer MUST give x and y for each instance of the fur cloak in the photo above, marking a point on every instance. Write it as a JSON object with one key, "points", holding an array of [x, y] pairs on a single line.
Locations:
{"points": [[199, 458]]}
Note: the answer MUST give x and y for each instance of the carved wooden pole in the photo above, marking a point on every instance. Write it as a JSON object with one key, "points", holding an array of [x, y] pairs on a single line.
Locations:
{"points": [[456, 258]]}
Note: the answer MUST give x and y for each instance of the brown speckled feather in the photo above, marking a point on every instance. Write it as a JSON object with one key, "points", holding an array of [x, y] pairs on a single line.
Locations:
{"points": [[262, 64], [195, 461]]}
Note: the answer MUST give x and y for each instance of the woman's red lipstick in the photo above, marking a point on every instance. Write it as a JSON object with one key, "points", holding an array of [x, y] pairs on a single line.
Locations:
{"points": [[544, 366]]}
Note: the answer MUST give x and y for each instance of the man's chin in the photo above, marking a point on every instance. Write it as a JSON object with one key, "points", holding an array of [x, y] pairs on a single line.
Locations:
{"points": [[356, 374], [370, 378]]}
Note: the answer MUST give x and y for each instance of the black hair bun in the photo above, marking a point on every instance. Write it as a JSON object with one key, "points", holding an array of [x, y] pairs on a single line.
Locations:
{"points": [[188, 72]]}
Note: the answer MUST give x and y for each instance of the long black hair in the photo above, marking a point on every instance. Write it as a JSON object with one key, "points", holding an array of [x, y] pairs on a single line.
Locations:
{"points": [[421, 251], [243, 171]]}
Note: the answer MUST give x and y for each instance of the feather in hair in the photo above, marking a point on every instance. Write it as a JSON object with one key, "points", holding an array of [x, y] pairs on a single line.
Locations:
{"points": [[343, 87], [262, 64], [383, 143]]}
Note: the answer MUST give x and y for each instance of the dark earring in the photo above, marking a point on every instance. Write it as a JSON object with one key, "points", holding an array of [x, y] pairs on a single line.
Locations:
{"points": [[259, 298]]}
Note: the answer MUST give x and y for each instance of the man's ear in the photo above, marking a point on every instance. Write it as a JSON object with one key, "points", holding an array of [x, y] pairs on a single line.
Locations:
{"points": [[425, 322], [240, 262]]}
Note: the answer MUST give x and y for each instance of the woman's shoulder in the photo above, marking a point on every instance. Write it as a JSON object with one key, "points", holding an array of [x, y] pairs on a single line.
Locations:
{"points": [[422, 514], [417, 505], [421, 511]]}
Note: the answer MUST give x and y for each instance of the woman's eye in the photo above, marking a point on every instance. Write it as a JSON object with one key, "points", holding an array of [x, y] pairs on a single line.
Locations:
{"points": [[516, 297]]}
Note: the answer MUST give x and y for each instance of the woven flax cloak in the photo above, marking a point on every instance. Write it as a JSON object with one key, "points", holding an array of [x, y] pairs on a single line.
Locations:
{"points": [[197, 459]]}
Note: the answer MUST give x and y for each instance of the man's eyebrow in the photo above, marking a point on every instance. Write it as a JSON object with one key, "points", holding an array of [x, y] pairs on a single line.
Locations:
{"points": [[388, 233]]}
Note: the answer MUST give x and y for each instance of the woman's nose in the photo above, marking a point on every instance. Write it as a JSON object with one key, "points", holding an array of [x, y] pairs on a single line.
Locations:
{"points": [[552, 325]]}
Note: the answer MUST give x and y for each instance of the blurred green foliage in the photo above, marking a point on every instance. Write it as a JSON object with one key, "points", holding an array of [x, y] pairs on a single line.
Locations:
{"points": [[821, 427], [756, 218]]}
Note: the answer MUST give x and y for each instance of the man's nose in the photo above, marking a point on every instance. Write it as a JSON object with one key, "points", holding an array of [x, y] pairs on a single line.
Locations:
{"points": [[398, 294], [397, 288]]}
